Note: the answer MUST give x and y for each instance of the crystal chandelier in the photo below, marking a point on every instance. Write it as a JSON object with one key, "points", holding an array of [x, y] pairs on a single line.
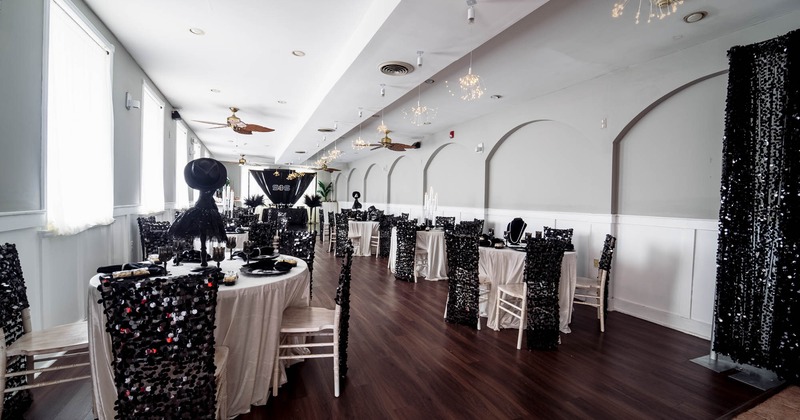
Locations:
{"points": [[420, 114], [471, 88], [659, 9], [359, 143]]}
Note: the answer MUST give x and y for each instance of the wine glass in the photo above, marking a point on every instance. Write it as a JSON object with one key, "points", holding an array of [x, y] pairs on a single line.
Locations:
{"points": [[505, 235], [231, 244], [247, 248], [164, 254], [178, 246], [218, 254]]}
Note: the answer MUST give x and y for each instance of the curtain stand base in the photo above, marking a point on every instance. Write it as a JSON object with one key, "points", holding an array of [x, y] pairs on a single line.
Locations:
{"points": [[721, 364]]}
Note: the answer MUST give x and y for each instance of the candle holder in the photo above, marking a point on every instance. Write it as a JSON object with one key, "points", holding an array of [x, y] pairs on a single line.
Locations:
{"points": [[218, 254]]}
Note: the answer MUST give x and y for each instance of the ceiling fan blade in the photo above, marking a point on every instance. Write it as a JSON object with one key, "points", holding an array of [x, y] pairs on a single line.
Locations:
{"points": [[398, 147], [259, 128], [242, 130], [211, 122], [331, 170], [375, 148]]}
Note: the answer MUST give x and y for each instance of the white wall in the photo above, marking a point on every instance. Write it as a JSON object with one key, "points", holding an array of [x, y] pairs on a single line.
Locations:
{"points": [[650, 176]]}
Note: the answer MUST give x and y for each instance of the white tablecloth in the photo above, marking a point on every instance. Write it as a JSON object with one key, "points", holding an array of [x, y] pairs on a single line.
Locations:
{"points": [[430, 251], [505, 266], [249, 316], [364, 231]]}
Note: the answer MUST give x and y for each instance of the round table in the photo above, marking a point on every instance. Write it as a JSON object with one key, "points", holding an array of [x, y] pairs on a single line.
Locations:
{"points": [[249, 316]]}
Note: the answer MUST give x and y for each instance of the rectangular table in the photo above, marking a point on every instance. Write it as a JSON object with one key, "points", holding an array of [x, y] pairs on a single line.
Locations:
{"points": [[505, 266], [248, 322], [430, 250]]}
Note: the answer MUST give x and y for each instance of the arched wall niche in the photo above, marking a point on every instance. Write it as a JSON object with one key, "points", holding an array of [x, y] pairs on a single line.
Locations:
{"points": [[545, 165], [405, 181], [667, 159], [375, 186], [341, 187], [454, 172], [355, 182]]}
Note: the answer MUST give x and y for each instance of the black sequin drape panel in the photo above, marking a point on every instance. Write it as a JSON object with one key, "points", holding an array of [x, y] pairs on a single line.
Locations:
{"points": [[542, 274], [462, 273], [162, 340], [758, 293], [13, 299]]}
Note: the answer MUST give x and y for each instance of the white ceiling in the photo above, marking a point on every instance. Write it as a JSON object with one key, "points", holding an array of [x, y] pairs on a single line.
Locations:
{"points": [[522, 49]]}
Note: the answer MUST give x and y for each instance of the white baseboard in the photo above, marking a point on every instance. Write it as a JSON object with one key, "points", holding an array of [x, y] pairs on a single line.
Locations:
{"points": [[675, 322]]}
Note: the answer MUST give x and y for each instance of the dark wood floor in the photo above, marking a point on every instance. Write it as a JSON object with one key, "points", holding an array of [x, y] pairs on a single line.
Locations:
{"points": [[407, 363]]}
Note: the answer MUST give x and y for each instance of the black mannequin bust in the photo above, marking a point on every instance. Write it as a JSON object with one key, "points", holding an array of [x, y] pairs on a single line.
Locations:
{"points": [[516, 231], [356, 196]]}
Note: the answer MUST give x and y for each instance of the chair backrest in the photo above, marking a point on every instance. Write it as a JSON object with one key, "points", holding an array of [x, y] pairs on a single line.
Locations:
{"points": [[608, 253], [152, 234], [261, 234], [542, 274], [466, 227], [560, 234], [300, 244], [162, 342], [342, 300], [404, 216], [13, 301], [342, 230], [406, 248], [385, 223], [463, 285], [445, 222]]}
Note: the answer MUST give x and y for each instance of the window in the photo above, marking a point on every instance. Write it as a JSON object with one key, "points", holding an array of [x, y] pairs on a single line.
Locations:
{"points": [[181, 158], [152, 179], [79, 172]]}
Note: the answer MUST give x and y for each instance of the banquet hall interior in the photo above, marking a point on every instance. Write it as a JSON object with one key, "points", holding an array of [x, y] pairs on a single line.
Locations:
{"points": [[605, 118]]}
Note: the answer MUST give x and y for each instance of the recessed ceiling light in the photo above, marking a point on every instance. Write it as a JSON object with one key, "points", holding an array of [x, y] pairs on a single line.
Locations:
{"points": [[495, 96], [298, 53], [429, 81], [300, 152], [197, 31], [326, 130], [695, 17], [282, 102], [216, 90]]}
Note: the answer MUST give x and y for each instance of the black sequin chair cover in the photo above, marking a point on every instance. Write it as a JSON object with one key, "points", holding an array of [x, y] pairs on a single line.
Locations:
{"points": [[342, 230], [385, 224], [463, 286], [162, 342], [406, 248], [343, 299], [542, 274], [445, 222], [331, 225], [321, 226], [560, 234], [152, 235], [467, 227], [261, 234], [13, 299], [605, 264], [300, 244], [404, 216]]}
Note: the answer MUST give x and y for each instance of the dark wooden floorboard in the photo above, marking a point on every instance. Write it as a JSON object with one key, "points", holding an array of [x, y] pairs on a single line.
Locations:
{"points": [[407, 362]]}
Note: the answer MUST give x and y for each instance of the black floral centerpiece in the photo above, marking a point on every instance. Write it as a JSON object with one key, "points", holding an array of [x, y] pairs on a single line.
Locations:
{"points": [[203, 219]]}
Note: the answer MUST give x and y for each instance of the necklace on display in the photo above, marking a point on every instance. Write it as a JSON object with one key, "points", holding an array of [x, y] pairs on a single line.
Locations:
{"points": [[515, 240]]}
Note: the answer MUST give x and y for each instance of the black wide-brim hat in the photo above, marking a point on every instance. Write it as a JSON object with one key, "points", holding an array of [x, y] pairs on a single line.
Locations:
{"points": [[205, 174]]}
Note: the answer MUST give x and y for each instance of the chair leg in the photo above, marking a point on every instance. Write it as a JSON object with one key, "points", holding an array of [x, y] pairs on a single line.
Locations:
{"points": [[336, 362], [601, 310], [522, 319], [497, 310], [276, 370], [3, 362]]}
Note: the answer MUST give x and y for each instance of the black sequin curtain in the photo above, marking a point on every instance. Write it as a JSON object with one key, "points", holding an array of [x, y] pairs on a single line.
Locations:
{"points": [[758, 292]]}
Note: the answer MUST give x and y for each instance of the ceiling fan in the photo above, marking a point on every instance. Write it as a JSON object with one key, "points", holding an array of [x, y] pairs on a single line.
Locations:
{"points": [[237, 124], [386, 143]]}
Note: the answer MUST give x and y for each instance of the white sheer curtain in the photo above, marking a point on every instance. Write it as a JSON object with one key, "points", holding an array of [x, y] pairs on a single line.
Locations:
{"points": [[181, 158], [80, 129], [152, 179]]}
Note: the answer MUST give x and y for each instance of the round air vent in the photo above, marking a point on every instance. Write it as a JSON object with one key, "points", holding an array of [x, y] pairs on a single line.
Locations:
{"points": [[395, 68]]}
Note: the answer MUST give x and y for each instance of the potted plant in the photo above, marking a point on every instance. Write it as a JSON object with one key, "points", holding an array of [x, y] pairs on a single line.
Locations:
{"points": [[325, 190]]}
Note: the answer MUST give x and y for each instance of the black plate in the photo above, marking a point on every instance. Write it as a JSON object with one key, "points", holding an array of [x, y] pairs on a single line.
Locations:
{"points": [[250, 271], [265, 257]]}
